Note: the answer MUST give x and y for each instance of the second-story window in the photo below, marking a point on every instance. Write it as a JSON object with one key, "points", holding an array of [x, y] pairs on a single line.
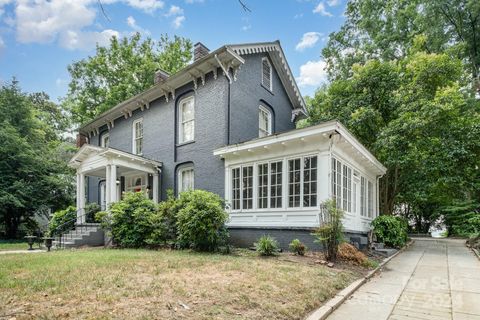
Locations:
{"points": [[264, 122], [266, 74], [186, 120], [105, 140], [138, 137]]}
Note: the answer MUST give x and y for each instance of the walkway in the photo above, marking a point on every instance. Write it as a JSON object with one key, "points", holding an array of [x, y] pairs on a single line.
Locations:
{"points": [[433, 279]]}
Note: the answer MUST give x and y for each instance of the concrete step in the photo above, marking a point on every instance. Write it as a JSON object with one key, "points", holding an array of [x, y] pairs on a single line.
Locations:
{"points": [[90, 238], [386, 252]]}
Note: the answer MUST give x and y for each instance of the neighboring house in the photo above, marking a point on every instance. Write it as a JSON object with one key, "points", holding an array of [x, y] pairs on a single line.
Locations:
{"points": [[226, 124]]}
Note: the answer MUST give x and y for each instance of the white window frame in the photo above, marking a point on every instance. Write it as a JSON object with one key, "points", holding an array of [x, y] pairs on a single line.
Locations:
{"points": [[129, 183], [135, 138], [268, 131], [341, 184], [103, 138], [270, 85], [182, 122], [180, 175]]}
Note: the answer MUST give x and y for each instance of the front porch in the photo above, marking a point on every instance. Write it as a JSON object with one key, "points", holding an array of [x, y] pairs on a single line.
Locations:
{"points": [[117, 171]]}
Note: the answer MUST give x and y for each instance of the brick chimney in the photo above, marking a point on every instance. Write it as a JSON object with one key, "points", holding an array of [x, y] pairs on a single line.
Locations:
{"points": [[81, 140], [199, 51], [160, 76]]}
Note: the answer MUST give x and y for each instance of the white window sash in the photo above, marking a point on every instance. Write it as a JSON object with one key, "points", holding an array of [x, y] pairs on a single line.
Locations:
{"points": [[186, 121]]}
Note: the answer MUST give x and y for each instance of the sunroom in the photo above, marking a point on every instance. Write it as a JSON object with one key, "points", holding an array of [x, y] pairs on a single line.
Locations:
{"points": [[279, 181], [117, 172]]}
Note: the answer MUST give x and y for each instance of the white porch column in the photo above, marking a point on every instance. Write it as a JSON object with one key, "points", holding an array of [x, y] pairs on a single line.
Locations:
{"points": [[107, 186], [113, 183], [155, 188], [80, 198]]}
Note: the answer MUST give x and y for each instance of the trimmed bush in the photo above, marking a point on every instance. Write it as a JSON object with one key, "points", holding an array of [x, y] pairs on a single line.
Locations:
{"points": [[91, 210], [266, 246], [164, 223], [201, 221], [62, 220], [330, 233], [130, 220], [391, 230], [298, 247]]}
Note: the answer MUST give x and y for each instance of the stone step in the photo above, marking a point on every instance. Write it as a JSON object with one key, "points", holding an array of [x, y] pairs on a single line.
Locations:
{"points": [[91, 238]]}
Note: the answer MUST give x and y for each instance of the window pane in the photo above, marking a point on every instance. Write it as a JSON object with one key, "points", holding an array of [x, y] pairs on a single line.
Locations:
{"points": [[370, 199], [263, 186], [362, 196], [310, 181], [264, 125], [188, 129], [236, 189], [247, 187], [276, 184], [294, 183]]}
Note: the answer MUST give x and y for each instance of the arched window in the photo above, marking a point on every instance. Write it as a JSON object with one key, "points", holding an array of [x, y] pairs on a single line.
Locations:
{"points": [[185, 178], [264, 121], [266, 73], [186, 119]]}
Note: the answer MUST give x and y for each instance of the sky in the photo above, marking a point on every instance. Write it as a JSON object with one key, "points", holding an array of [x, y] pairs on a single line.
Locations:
{"points": [[40, 38]]}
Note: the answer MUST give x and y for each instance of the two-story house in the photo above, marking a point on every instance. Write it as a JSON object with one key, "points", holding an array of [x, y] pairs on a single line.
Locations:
{"points": [[226, 124]]}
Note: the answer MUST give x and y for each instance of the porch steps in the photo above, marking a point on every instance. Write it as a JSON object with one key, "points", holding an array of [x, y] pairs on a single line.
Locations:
{"points": [[88, 234]]}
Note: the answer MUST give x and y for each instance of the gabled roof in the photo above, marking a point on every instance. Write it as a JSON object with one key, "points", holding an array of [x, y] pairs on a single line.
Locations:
{"points": [[227, 56]]}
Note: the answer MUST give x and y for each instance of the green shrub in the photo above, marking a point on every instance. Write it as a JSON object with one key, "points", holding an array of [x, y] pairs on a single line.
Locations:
{"points": [[298, 247], [164, 223], [62, 221], [90, 211], [391, 230], [130, 220], [462, 218], [266, 246], [330, 233], [201, 221]]}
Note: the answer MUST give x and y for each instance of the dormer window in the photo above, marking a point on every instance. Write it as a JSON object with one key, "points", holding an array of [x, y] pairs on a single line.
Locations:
{"points": [[186, 120], [137, 137], [266, 74], [264, 121]]}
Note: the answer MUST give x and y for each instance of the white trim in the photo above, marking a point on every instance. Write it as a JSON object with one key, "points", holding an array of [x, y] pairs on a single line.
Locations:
{"points": [[135, 138], [103, 138], [181, 121]]}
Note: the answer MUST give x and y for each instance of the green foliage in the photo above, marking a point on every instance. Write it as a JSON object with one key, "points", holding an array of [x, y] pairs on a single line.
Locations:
{"points": [[91, 210], [130, 220], [118, 72], [462, 218], [201, 221], [298, 247], [62, 220], [266, 245], [165, 221], [330, 233], [391, 230], [33, 174]]}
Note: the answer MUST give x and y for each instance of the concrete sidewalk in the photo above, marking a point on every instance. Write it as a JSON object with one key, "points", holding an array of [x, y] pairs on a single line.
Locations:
{"points": [[433, 279]]}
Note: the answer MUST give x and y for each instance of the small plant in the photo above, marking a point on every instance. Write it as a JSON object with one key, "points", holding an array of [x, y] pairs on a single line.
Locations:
{"points": [[391, 230], [298, 247], [266, 246], [330, 233]]}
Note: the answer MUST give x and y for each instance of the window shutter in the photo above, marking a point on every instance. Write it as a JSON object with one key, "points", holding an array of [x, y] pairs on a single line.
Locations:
{"points": [[266, 73]]}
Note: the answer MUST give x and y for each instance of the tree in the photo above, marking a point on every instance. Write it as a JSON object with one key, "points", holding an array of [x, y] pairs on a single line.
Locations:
{"points": [[416, 117], [33, 175], [117, 72], [389, 29]]}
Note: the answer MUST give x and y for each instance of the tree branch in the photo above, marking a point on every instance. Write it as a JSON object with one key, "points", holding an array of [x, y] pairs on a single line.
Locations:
{"points": [[244, 6]]}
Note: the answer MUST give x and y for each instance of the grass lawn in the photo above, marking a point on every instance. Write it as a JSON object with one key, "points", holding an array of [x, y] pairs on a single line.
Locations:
{"points": [[14, 245], [143, 284]]}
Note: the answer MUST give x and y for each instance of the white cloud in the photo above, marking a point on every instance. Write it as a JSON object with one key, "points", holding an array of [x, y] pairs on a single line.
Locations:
{"points": [[320, 8], [333, 3], [145, 5], [312, 73], [174, 11], [85, 40], [194, 1], [132, 23], [309, 39], [2, 43], [246, 27], [177, 22], [298, 16]]}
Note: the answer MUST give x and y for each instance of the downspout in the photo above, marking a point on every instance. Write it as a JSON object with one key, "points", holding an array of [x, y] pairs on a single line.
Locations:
{"points": [[229, 78]]}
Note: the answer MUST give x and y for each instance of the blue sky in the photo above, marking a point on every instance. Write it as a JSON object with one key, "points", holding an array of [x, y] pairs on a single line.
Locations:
{"points": [[39, 38]]}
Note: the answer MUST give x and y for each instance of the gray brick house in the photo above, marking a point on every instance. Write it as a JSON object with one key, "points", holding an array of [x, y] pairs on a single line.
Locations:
{"points": [[226, 124]]}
